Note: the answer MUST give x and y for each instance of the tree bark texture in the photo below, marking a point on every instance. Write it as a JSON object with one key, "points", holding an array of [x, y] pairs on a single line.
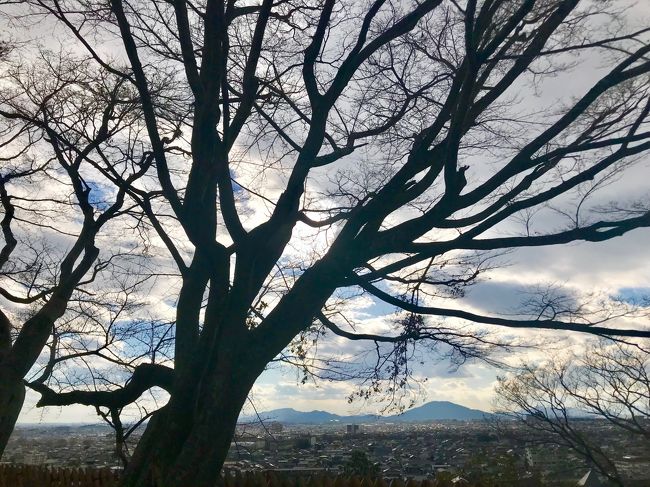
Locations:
{"points": [[12, 397], [186, 442]]}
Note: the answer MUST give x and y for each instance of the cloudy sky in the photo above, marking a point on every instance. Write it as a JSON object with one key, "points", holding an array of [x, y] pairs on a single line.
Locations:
{"points": [[617, 268], [620, 265]]}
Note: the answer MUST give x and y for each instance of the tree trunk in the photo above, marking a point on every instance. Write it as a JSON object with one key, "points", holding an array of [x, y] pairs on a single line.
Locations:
{"points": [[12, 396], [186, 442]]}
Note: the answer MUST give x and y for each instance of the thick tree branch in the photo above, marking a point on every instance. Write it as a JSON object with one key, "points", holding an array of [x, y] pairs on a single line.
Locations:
{"points": [[147, 107], [547, 324], [145, 376], [5, 224]]}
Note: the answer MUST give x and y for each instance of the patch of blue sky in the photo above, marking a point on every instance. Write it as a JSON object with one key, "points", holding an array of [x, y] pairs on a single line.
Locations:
{"points": [[138, 336], [637, 296], [98, 196], [379, 308], [236, 187], [375, 308]]}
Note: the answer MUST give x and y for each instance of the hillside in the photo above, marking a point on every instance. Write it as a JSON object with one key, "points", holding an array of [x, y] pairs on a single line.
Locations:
{"points": [[431, 411]]}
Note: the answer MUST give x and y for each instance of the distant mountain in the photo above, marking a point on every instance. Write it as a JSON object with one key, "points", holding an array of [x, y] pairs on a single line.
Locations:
{"points": [[431, 411], [582, 414], [573, 413], [440, 411], [288, 415]]}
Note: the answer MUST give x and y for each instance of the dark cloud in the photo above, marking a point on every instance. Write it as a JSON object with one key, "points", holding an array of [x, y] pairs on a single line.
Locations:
{"points": [[513, 297]]}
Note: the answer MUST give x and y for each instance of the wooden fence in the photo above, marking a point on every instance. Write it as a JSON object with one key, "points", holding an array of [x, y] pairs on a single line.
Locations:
{"points": [[41, 476], [271, 479]]}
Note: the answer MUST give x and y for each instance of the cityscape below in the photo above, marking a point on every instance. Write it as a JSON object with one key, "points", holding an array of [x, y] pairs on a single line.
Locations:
{"points": [[438, 438]]}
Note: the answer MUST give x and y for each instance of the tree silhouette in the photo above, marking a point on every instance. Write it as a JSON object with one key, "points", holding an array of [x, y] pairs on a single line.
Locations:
{"points": [[289, 154], [55, 117], [359, 464], [608, 382]]}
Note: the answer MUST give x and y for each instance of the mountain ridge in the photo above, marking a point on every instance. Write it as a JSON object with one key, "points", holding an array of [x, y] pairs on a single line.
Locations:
{"points": [[430, 411]]}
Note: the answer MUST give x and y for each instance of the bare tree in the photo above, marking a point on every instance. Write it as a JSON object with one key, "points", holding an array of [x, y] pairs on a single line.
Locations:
{"points": [[100, 346], [609, 382], [54, 117], [388, 131]]}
